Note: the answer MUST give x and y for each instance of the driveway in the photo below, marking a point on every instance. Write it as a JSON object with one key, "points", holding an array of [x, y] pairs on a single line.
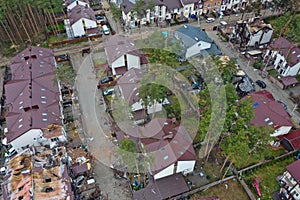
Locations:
{"points": [[278, 94], [96, 129]]}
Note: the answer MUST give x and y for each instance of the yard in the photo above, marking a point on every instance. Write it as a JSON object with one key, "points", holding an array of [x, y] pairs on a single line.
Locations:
{"points": [[233, 191], [268, 174]]}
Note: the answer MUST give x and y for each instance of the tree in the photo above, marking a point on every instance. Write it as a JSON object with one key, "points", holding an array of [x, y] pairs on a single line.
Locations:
{"points": [[128, 152], [116, 11], [65, 75]]}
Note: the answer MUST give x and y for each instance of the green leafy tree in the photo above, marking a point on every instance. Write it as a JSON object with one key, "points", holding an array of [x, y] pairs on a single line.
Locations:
{"points": [[128, 152], [116, 11]]}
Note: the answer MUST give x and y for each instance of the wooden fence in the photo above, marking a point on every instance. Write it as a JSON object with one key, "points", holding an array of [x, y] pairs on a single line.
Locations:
{"points": [[75, 40]]}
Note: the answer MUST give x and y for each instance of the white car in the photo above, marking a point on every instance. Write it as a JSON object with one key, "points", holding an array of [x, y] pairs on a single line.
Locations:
{"points": [[210, 20], [108, 92], [223, 23]]}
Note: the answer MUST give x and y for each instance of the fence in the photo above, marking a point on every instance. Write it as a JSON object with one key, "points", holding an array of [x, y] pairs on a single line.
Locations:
{"points": [[75, 40]]}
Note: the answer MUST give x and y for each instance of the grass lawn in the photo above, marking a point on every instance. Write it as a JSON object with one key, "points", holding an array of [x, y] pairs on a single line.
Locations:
{"points": [[58, 38], [268, 174], [234, 192]]}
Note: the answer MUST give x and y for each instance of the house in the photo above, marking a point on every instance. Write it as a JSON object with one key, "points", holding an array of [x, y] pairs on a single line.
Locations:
{"points": [[284, 56], [211, 5], [168, 142], [129, 85], [195, 41], [164, 188], [290, 181], [72, 3], [81, 21], [38, 173], [269, 113], [174, 8], [188, 7], [252, 34], [122, 55], [153, 15], [291, 141], [33, 101]]}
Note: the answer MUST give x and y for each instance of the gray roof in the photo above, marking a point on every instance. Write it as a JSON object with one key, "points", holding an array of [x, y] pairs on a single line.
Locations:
{"points": [[213, 50], [190, 35], [186, 2], [173, 4], [128, 5]]}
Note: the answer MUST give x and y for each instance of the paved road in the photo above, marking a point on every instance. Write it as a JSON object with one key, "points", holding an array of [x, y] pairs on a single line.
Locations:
{"points": [[96, 129], [279, 94]]}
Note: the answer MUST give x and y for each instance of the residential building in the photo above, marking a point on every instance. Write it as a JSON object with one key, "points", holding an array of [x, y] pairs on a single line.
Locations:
{"points": [[212, 5], [81, 21], [269, 113], [163, 188], [129, 85], [284, 56], [290, 181], [252, 34], [33, 101], [122, 55], [154, 15], [195, 41], [72, 3], [188, 7], [174, 8], [168, 142], [291, 141], [38, 173]]}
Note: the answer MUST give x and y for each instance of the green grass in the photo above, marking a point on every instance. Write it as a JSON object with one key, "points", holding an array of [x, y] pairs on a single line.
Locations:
{"points": [[298, 78], [268, 174], [54, 38], [234, 192], [273, 72]]}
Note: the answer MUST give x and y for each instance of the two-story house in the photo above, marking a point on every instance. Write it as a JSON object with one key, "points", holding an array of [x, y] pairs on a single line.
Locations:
{"points": [[81, 21], [253, 34], [72, 3], [33, 101], [290, 181], [122, 54], [146, 14], [194, 41], [284, 56]]}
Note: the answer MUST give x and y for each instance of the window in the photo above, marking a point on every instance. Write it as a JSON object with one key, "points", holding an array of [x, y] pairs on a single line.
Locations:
{"points": [[47, 180]]}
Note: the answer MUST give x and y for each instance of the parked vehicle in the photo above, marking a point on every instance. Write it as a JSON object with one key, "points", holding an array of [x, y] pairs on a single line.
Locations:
{"points": [[226, 12], [283, 104], [12, 151], [261, 84], [210, 20], [101, 20], [62, 58], [181, 59], [223, 23], [107, 81], [105, 30], [108, 92]]}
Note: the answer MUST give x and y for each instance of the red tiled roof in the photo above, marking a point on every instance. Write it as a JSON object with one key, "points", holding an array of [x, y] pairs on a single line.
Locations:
{"points": [[79, 12], [267, 110], [33, 100], [294, 138], [293, 169], [290, 51], [288, 80]]}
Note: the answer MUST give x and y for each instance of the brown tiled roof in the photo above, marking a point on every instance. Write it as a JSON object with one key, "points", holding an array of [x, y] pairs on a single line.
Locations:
{"points": [[78, 168], [186, 2], [290, 51], [288, 80], [294, 138], [117, 46], [68, 2], [79, 12], [32, 99], [163, 188], [293, 169], [173, 4], [265, 107]]}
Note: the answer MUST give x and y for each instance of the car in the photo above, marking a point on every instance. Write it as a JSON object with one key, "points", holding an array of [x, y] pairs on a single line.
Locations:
{"points": [[283, 104], [101, 19], [105, 30], [226, 12], [3, 170], [261, 84], [12, 151], [223, 23], [62, 58], [107, 81], [108, 92], [210, 20], [181, 59]]}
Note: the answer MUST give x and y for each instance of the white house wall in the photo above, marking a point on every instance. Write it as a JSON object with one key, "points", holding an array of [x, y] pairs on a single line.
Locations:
{"points": [[185, 166], [187, 9], [133, 62], [254, 38], [78, 28], [120, 62], [72, 5], [266, 38], [196, 48], [164, 173], [293, 71], [29, 138]]}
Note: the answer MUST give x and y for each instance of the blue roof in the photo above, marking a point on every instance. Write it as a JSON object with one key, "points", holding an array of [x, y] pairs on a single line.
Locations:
{"points": [[194, 32], [213, 50]]}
